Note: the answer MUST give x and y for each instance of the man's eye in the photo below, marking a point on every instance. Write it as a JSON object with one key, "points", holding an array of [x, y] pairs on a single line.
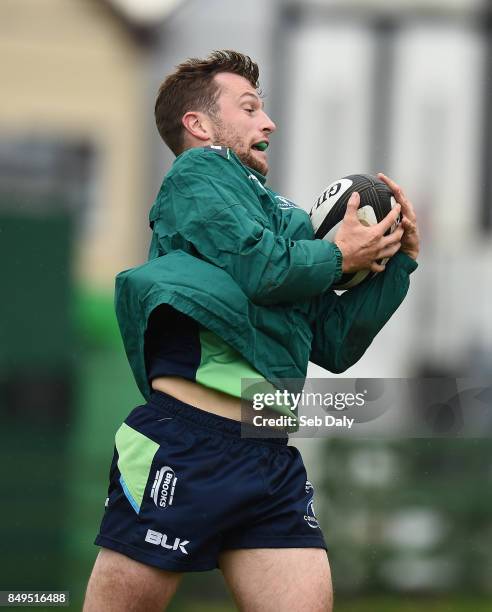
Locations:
{"points": [[249, 110]]}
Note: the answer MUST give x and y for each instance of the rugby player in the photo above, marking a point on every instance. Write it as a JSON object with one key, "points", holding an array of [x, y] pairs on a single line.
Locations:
{"points": [[235, 287]]}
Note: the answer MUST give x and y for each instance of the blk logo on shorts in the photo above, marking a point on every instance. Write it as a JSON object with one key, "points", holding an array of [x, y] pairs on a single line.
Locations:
{"points": [[162, 491], [160, 539]]}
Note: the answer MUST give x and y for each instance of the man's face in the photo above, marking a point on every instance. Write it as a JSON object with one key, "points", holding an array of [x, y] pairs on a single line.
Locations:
{"points": [[242, 123]]}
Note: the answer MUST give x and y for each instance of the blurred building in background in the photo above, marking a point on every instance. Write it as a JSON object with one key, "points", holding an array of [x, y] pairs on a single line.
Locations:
{"points": [[73, 152], [354, 86]]}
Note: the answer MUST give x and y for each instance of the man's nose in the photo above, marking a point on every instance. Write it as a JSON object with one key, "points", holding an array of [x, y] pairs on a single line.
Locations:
{"points": [[268, 125]]}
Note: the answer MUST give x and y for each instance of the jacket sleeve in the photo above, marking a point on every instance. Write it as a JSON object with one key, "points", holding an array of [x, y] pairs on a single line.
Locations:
{"points": [[225, 230], [344, 326]]}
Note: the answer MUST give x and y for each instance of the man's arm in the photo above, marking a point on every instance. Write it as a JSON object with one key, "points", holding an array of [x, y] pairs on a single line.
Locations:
{"points": [[210, 207], [345, 326]]}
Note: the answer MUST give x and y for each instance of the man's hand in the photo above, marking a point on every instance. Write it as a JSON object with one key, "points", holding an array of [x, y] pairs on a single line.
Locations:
{"points": [[410, 242], [362, 246]]}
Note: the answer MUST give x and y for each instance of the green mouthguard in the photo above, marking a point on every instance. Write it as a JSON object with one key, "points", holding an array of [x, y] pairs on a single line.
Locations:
{"points": [[261, 146]]}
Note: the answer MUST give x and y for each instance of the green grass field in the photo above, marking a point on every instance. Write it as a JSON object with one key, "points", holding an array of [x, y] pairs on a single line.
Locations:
{"points": [[406, 604], [371, 604]]}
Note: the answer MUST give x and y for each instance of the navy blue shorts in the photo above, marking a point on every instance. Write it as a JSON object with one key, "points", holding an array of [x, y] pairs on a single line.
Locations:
{"points": [[185, 486]]}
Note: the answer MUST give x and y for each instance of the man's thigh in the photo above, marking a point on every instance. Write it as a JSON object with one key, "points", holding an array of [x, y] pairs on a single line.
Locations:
{"points": [[273, 579], [121, 584]]}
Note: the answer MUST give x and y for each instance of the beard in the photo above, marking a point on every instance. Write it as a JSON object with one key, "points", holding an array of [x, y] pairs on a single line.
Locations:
{"points": [[227, 137]]}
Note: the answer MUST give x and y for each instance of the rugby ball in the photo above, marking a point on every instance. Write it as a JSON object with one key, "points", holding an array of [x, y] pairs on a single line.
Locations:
{"points": [[376, 201]]}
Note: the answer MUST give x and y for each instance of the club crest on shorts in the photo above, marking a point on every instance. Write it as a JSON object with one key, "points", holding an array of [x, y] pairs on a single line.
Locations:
{"points": [[162, 492], [310, 516]]}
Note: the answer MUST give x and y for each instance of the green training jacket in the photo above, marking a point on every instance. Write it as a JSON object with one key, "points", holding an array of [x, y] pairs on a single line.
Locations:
{"points": [[242, 261]]}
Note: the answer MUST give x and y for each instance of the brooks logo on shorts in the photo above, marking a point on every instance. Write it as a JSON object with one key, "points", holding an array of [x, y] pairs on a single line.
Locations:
{"points": [[163, 488]]}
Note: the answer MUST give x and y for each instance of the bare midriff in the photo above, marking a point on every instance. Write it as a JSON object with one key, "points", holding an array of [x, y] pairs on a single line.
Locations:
{"points": [[198, 395]]}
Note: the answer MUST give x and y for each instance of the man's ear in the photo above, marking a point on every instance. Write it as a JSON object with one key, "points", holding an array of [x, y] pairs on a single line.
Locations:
{"points": [[197, 125]]}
